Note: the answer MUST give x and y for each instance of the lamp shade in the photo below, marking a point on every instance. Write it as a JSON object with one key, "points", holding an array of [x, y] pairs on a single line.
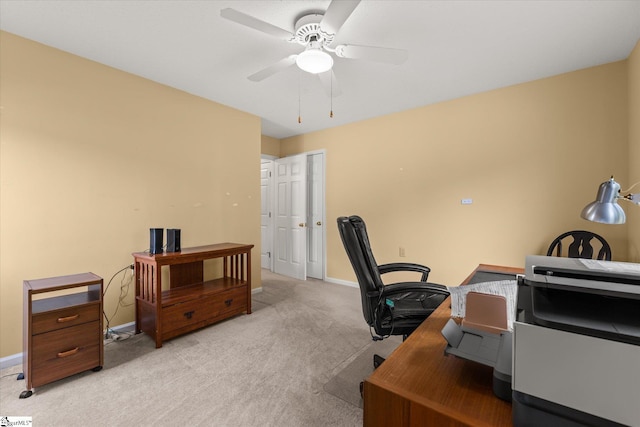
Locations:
{"points": [[314, 61], [605, 209]]}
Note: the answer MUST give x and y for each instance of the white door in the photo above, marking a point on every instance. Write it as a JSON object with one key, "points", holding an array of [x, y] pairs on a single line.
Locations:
{"points": [[266, 168], [315, 216], [290, 251]]}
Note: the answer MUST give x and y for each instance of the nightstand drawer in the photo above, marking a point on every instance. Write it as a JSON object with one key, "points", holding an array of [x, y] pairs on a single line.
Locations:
{"points": [[231, 301], [203, 310], [64, 318], [58, 354]]}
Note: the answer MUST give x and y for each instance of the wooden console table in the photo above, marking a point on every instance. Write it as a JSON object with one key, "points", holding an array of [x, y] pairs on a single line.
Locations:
{"points": [[418, 385], [190, 302]]}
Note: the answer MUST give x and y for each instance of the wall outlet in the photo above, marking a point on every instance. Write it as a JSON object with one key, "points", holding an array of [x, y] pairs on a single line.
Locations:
{"points": [[401, 251], [466, 201]]}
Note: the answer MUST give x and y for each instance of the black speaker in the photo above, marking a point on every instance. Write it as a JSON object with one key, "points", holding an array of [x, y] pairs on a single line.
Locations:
{"points": [[173, 240], [155, 241]]}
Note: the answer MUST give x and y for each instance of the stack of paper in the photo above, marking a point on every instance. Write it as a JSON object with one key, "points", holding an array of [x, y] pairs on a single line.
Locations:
{"points": [[506, 288]]}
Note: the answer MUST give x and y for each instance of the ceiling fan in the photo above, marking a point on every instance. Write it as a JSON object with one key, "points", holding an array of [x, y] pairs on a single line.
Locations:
{"points": [[316, 32]]}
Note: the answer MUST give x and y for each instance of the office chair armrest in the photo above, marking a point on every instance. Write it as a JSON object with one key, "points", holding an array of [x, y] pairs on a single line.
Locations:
{"points": [[402, 287], [405, 266]]}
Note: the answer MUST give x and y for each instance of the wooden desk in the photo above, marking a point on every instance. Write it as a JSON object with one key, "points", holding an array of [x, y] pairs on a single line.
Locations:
{"points": [[419, 385]]}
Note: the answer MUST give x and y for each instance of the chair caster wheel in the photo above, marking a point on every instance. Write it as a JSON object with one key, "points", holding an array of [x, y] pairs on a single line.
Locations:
{"points": [[25, 394]]}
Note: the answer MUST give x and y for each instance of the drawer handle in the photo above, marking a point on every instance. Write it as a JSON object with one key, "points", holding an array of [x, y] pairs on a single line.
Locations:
{"points": [[68, 353], [188, 314], [68, 318], [228, 302]]}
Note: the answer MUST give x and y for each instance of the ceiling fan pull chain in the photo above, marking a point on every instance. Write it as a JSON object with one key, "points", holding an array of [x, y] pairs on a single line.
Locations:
{"points": [[331, 97], [299, 118]]}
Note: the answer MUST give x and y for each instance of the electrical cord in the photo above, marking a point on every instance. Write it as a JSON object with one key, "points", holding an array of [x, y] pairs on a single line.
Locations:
{"points": [[124, 291], [113, 277], [10, 375], [375, 319], [628, 190]]}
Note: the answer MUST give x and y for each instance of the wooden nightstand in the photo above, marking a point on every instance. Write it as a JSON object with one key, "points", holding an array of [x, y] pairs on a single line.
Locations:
{"points": [[62, 334]]}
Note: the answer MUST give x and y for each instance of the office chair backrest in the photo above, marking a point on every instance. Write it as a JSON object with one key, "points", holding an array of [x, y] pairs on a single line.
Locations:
{"points": [[581, 246], [356, 243]]}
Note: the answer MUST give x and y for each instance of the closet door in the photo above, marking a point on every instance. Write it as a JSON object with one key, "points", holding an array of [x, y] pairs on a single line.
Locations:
{"points": [[290, 257], [315, 219]]}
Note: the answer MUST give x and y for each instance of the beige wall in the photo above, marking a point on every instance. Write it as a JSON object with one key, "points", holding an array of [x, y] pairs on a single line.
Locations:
{"points": [[92, 157], [633, 212], [531, 156], [270, 146]]}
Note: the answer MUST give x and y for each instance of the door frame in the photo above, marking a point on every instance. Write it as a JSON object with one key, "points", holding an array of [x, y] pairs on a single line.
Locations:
{"points": [[272, 202]]}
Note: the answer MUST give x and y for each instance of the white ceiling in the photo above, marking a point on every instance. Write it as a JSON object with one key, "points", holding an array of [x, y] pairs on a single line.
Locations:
{"points": [[456, 48]]}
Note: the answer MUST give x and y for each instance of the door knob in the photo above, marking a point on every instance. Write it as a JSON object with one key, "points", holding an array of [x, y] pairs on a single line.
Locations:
{"points": [[301, 224], [319, 223]]}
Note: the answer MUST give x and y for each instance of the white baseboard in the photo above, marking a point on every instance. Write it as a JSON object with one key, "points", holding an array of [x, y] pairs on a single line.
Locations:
{"points": [[341, 282], [256, 290], [9, 361], [16, 359]]}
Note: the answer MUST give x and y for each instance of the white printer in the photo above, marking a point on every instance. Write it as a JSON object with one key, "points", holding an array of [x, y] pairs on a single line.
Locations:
{"points": [[576, 343]]}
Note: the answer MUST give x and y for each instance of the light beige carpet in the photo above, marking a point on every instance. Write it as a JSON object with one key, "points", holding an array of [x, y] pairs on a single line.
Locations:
{"points": [[269, 368]]}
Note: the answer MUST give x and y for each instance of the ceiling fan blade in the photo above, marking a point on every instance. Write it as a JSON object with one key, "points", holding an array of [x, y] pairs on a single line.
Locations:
{"points": [[337, 13], [273, 69], [330, 84], [371, 53], [256, 24]]}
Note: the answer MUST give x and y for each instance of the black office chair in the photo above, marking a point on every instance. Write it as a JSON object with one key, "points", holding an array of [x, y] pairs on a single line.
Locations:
{"points": [[392, 309], [581, 246]]}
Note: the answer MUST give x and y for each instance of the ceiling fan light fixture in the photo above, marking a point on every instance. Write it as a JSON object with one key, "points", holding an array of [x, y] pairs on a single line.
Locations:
{"points": [[314, 61]]}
